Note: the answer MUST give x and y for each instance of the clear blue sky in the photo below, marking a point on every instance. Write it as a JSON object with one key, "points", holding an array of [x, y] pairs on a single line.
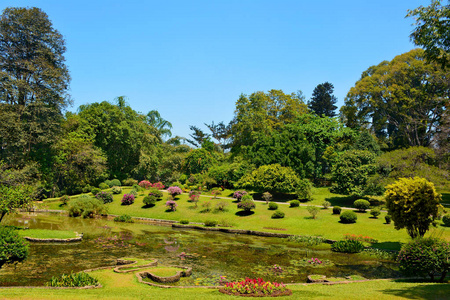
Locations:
{"points": [[190, 60]]}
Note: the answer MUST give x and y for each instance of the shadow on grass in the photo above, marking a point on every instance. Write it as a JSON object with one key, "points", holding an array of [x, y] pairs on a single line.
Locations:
{"points": [[445, 198], [279, 197], [148, 206], [387, 246], [435, 291], [243, 213], [345, 201]]}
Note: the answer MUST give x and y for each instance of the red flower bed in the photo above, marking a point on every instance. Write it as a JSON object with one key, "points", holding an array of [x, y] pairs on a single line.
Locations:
{"points": [[255, 288]]}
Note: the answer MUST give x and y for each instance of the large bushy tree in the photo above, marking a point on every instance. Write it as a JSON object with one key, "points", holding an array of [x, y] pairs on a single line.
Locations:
{"points": [[272, 178], [402, 101], [13, 248], [34, 82]]}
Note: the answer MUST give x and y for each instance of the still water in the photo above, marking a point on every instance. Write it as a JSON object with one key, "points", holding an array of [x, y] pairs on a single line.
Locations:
{"points": [[210, 254]]}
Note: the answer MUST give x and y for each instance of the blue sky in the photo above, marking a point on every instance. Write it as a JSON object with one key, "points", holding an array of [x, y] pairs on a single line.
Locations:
{"points": [[190, 60]]}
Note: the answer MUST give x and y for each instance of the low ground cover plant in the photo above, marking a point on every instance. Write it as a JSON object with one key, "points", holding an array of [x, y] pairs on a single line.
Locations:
{"points": [[347, 246], [255, 287], [124, 219], [307, 239], [73, 280]]}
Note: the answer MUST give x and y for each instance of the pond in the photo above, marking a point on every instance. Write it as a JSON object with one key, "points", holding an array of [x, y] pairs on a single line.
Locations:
{"points": [[210, 254]]}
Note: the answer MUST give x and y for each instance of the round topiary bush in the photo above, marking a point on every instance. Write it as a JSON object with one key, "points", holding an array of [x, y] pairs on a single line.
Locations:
{"points": [[174, 191], [273, 206], [348, 217], [294, 203], [105, 197], [115, 182], [95, 191], [103, 186], [278, 215], [156, 193], [375, 212], [247, 197], [326, 204], [116, 190], [149, 200], [246, 205], [337, 210], [361, 205], [127, 199]]}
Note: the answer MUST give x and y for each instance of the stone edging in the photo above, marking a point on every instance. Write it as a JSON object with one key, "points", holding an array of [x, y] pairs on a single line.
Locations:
{"points": [[124, 263], [170, 279], [243, 231], [38, 240]]}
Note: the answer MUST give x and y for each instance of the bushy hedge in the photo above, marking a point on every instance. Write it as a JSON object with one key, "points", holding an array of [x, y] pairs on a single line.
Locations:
{"points": [[337, 210], [211, 223], [347, 246], [124, 219], [86, 207], [13, 248], [294, 203], [103, 186], [278, 215], [73, 280], [348, 217], [361, 204], [425, 257], [446, 220], [273, 206], [149, 200]]}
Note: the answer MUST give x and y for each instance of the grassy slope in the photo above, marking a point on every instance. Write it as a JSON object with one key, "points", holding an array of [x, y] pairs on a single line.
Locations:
{"points": [[125, 286], [296, 221]]}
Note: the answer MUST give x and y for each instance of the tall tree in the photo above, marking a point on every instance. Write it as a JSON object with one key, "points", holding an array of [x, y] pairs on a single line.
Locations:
{"points": [[401, 101], [323, 101], [34, 81], [162, 127], [433, 31], [198, 136]]}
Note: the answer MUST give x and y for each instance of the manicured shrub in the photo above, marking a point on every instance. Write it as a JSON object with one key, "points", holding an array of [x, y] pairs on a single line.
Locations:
{"points": [[64, 199], [174, 191], [246, 205], [337, 210], [388, 219], [278, 214], [313, 210], [134, 192], [267, 197], [361, 205], [86, 207], [294, 203], [425, 257], [239, 194], [413, 204], [73, 280], [127, 199], [303, 191], [108, 183], [347, 246], [149, 200], [326, 204], [211, 223], [247, 197], [105, 197], [137, 187], [216, 192], [375, 212], [116, 190], [156, 193], [129, 182], [115, 182], [221, 205], [13, 248], [273, 206], [145, 184], [171, 205], [95, 191], [103, 186], [124, 219], [446, 220], [158, 185], [184, 221], [348, 217]]}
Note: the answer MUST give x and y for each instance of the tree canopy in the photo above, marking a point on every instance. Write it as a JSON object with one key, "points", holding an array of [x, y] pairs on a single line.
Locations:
{"points": [[323, 101]]}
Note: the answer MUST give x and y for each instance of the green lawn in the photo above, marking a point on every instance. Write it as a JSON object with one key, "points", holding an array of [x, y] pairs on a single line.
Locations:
{"points": [[126, 286], [47, 234], [296, 221]]}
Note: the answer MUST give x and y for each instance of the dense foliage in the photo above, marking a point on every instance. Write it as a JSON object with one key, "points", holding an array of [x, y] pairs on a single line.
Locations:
{"points": [[13, 248], [272, 178], [348, 246], [73, 280], [413, 203], [425, 257], [86, 207]]}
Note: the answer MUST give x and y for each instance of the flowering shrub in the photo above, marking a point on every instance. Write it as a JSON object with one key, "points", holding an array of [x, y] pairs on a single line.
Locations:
{"points": [[172, 205], [105, 197], [158, 185], [425, 257], [156, 193], [238, 194], [194, 195], [361, 238], [315, 261], [277, 269], [215, 193], [174, 191], [255, 287], [246, 205], [145, 184], [127, 199]]}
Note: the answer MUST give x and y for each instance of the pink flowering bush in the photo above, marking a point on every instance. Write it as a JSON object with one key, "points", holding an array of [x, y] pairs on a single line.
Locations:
{"points": [[174, 191], [145, 184], [239, 194], [172, 205], [255, 287], [315, 261], [127, 199], [158, 185]]}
